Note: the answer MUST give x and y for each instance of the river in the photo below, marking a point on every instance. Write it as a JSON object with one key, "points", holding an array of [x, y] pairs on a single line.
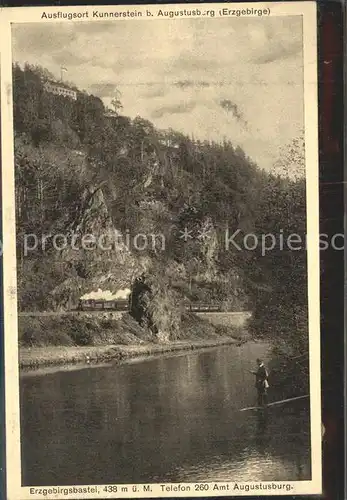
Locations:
{"points": [[171, 418]]}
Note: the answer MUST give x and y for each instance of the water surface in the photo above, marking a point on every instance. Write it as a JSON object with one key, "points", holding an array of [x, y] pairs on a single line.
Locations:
{"points": [[167, 418]]}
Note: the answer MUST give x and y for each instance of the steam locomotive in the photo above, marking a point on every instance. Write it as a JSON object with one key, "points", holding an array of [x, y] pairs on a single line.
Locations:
{"points": [[103, 305]]}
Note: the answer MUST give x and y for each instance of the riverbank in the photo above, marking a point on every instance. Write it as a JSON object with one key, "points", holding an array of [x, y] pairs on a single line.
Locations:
{"points": [[88, 338], [31, 358], [114, 328]]}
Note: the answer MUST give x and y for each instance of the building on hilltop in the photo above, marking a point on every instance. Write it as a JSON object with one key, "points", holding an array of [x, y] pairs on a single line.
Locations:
{"points": [[60, 89], [109, 113], [169, 143]]}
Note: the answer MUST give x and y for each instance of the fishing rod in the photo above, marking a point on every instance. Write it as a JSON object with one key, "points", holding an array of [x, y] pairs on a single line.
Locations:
{"points": [[275, 403]]}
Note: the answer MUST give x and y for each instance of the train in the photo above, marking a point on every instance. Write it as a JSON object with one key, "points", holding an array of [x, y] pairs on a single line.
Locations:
{"points": [[123, 305], [198, 307], [103, 305]]}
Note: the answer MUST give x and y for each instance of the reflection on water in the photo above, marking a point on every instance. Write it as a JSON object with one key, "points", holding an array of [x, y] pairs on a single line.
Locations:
{"points": [[166, 419], [270, 453]]}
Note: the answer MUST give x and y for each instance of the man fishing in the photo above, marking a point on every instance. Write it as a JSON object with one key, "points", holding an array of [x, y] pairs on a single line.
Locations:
{"points": [[261, 382]]}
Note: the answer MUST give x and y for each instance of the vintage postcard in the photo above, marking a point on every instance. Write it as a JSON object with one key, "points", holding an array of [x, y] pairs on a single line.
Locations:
{"points": [[161, 250]]}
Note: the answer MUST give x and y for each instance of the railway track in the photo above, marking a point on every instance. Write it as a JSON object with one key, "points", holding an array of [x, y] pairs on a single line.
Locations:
{"points": [[198, 310]]}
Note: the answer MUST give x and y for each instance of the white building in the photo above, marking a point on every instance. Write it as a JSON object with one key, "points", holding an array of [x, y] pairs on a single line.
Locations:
{"points": [[60, 89], [169, 143]]}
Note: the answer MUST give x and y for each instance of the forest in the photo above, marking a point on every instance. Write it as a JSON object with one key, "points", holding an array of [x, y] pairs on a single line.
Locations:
{"points": [[81, 168]]}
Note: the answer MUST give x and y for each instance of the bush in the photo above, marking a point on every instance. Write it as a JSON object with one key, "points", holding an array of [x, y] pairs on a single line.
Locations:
{"points": [[82, 334], [43, 331]]}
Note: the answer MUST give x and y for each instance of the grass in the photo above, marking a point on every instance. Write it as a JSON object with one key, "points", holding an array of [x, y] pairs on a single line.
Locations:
{"points": [[79, 330], [91, 338]]}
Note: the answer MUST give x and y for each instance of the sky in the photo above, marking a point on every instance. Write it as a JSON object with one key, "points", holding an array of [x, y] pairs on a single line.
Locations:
{"points": [[239, 79]]}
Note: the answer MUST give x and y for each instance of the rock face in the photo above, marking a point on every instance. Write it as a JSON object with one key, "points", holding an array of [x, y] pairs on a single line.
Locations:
{"points": [[140, 299], [105, 265], [155, 307], [163, 337]]}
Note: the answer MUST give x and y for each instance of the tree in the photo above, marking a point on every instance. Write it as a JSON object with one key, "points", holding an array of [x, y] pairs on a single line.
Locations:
{"points": [[279, 277], [116, 102], [291, 162]]}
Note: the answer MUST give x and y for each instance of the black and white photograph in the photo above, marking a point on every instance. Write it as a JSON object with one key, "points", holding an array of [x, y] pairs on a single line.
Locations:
{"points": [[160, 207]]}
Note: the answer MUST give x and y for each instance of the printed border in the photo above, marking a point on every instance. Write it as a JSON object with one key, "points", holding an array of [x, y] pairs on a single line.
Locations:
{"points": [[13, 462]]}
